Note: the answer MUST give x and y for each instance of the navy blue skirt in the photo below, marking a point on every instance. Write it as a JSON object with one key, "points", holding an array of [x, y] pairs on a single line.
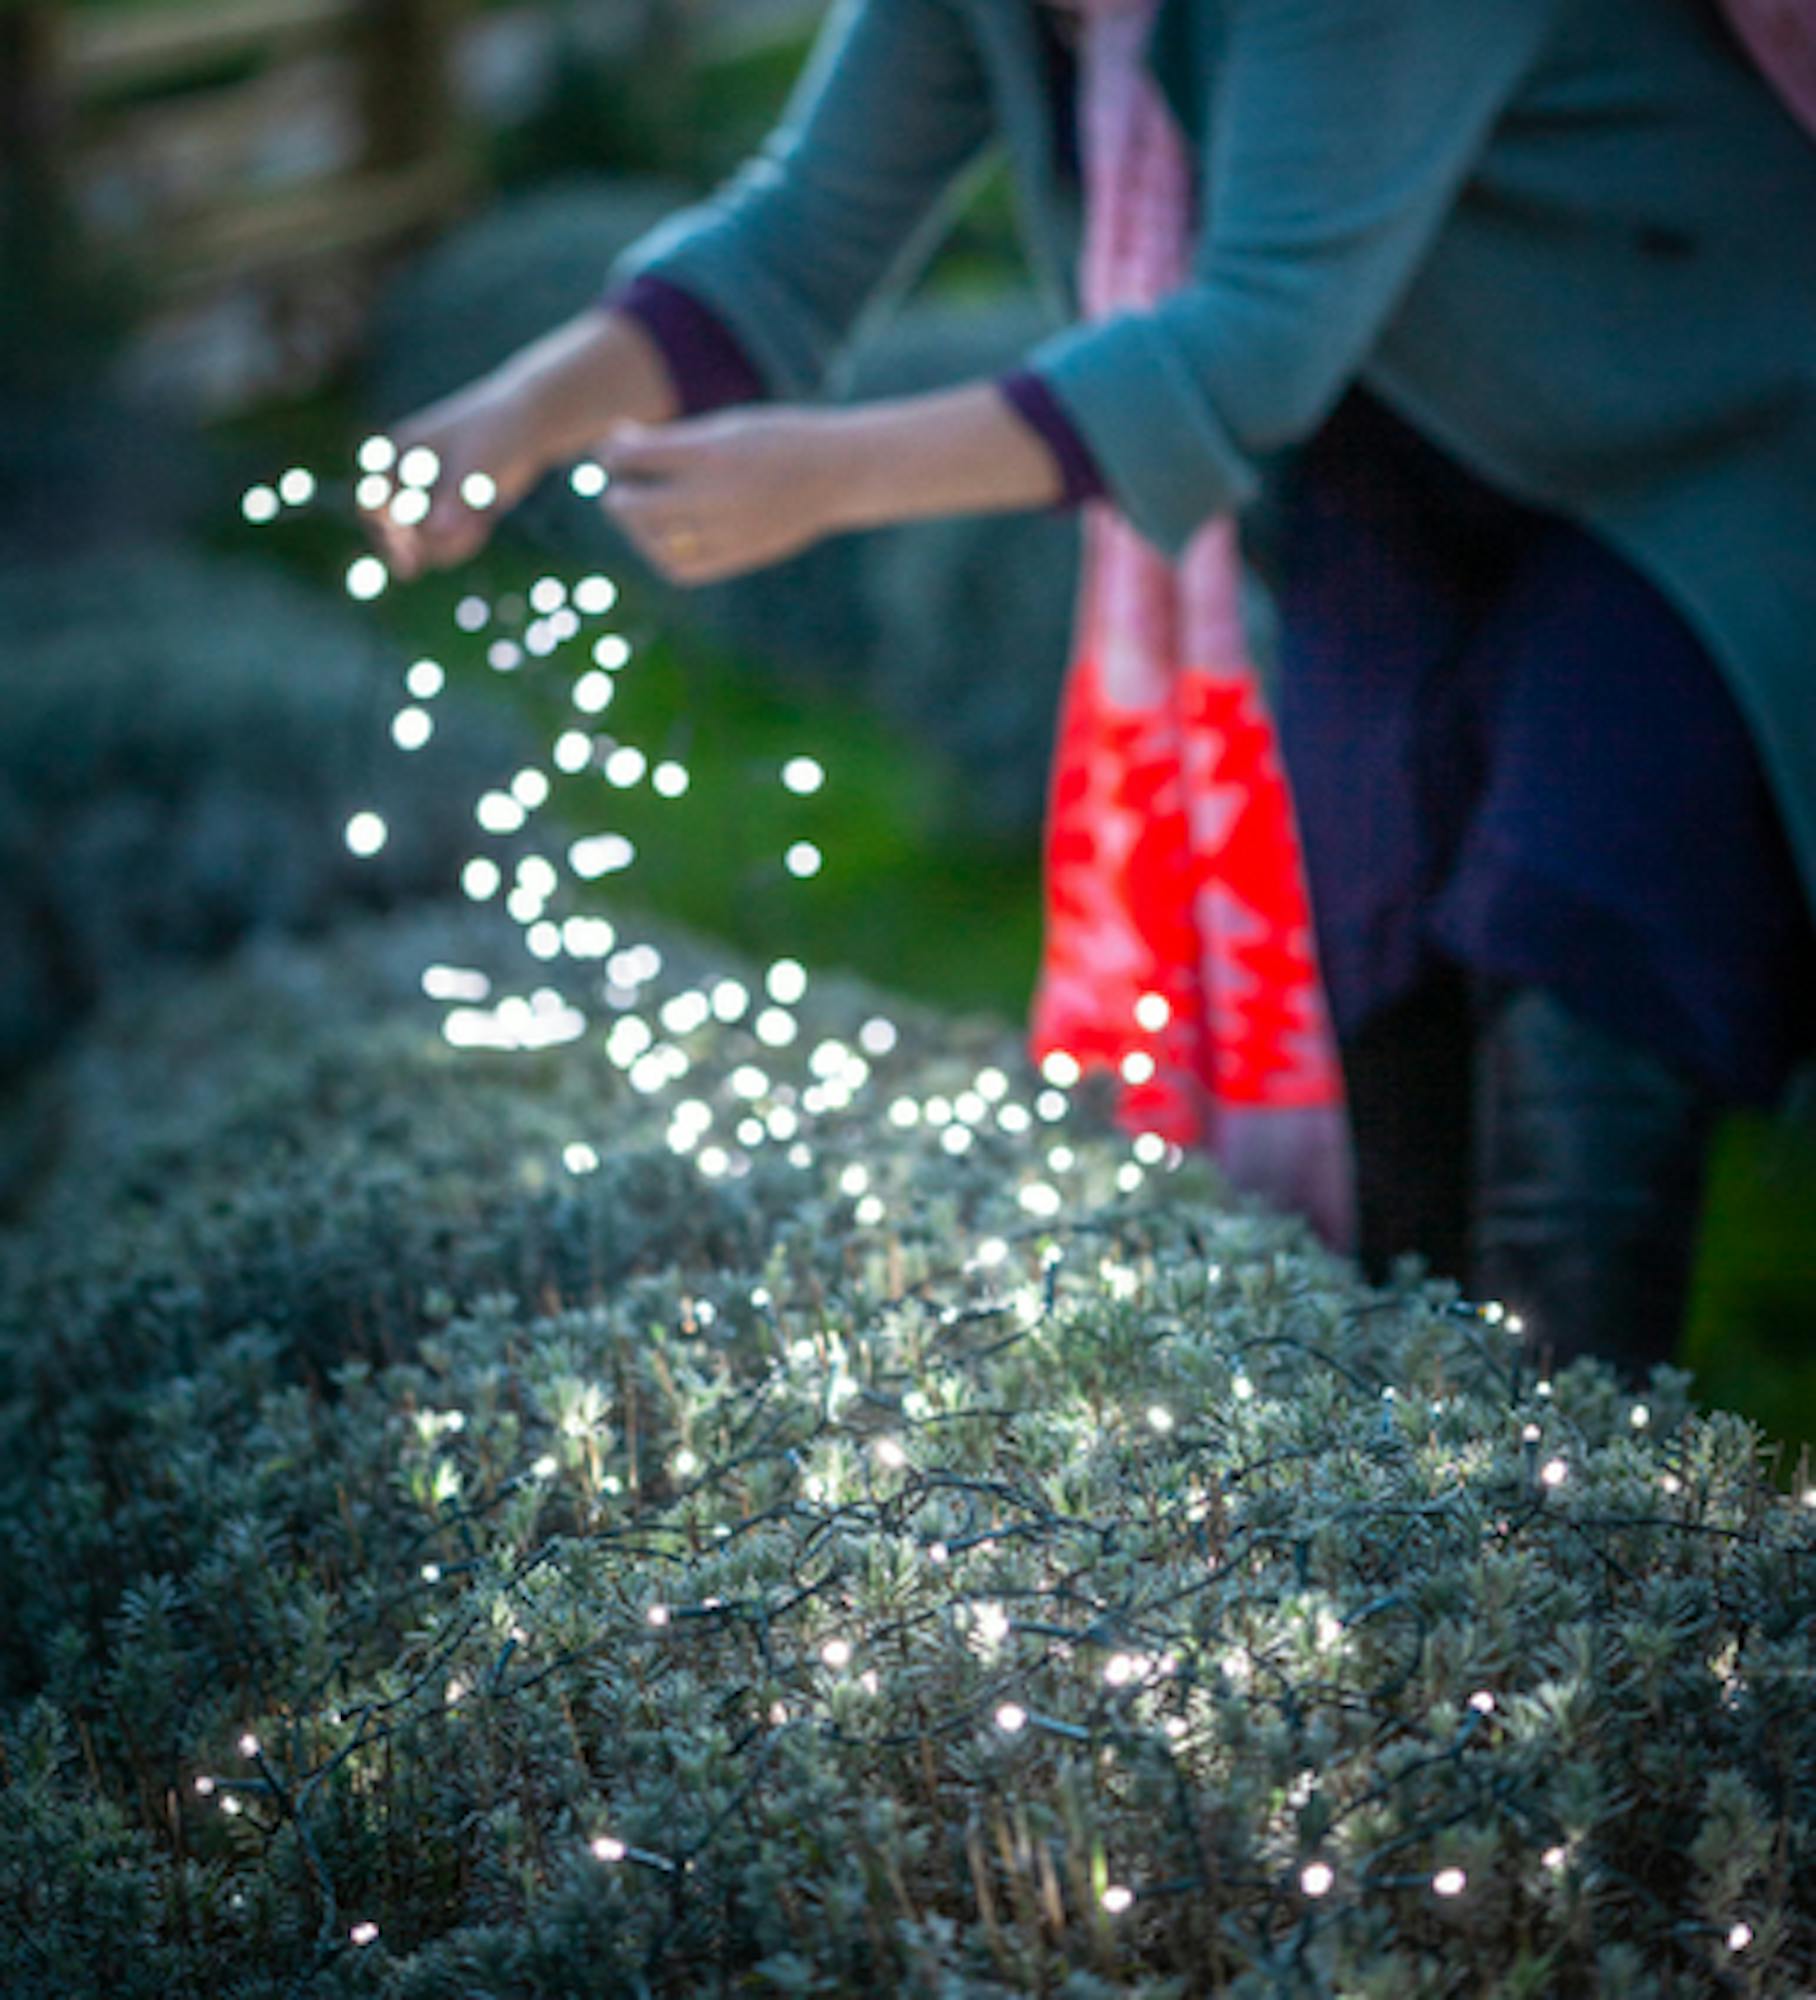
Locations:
{"points": [[1510, 752]]}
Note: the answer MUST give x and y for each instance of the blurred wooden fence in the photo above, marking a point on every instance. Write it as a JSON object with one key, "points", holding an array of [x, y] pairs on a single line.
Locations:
{"points": [[165, 133]]}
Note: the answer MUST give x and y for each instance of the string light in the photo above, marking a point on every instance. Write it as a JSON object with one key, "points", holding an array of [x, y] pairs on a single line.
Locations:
{"points": [[782, 1111]]}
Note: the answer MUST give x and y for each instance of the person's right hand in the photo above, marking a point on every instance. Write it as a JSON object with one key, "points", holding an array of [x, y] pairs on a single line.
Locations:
{"points": [[486, 439]]}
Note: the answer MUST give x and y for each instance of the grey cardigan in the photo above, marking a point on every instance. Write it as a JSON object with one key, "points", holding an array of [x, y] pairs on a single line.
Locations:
{"points": [[1573, 241]]}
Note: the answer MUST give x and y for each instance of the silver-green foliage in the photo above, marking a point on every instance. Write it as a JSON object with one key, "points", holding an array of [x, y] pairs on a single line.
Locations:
{"points": [[515, 1510]]}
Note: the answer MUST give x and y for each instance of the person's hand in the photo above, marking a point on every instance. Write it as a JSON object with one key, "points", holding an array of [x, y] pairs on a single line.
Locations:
{"points": [[486, 441], [713, 497]]}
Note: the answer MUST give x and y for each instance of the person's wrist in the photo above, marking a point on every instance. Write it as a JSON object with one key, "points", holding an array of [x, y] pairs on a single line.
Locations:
{"points": [[849, 473]]}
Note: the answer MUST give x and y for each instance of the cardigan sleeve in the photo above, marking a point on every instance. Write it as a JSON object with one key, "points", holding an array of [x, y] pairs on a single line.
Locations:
{"points": [[1338, 133], [844, 200], [705, 359]]}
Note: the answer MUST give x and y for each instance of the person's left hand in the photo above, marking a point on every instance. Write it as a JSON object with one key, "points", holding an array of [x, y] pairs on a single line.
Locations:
{"points": [[711, 497]]}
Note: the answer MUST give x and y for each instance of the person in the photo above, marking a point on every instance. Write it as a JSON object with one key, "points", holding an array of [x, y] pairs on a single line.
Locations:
{"points": [[1510, 304]]}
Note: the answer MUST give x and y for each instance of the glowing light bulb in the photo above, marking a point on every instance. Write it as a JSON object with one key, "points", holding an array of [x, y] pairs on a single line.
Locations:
{"points": [[573, 751], [366, 833], [425, 679], [1449, 1882], [530, 788], [411, 728], [480, 878], [1153, 1012], [1316, 1878], [595, 595], [1555, 1472], [786, 982], [363, 1934], [366, 579], [1060, 1069], [625, 766], [479, 490], [498, 812], [669, 779], [776, 1028], [803, 775], [259, 504], [588, 479], [297, 487], [377, 454], [1150, 1149], [837, 1654], [605, 1848], [410, 508], [1011, 1718], [1117, 1898], [1137, 1067], [419, 467], [803, 859], [593, 693]]}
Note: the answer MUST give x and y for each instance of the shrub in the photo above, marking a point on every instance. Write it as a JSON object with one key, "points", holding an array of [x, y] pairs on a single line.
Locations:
{"points": [[182, 740], [637, 1579]]}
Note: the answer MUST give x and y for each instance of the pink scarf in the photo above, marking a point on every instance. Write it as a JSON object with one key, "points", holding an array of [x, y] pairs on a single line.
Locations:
{"points": [[1178, 944], [1781, 34]]}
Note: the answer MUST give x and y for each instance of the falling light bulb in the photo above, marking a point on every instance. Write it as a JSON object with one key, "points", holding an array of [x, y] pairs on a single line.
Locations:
{"points": [[366, 579], [411, 728], [786, 982], [366, 833]]}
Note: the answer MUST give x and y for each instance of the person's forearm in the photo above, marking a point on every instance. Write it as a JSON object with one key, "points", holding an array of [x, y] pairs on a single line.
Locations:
{"points": [[594, 370], [956, 451]]}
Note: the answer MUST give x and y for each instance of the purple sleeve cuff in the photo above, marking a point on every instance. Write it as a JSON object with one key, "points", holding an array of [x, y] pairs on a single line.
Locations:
{"points": [[1031, 400], [706, 359]]}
